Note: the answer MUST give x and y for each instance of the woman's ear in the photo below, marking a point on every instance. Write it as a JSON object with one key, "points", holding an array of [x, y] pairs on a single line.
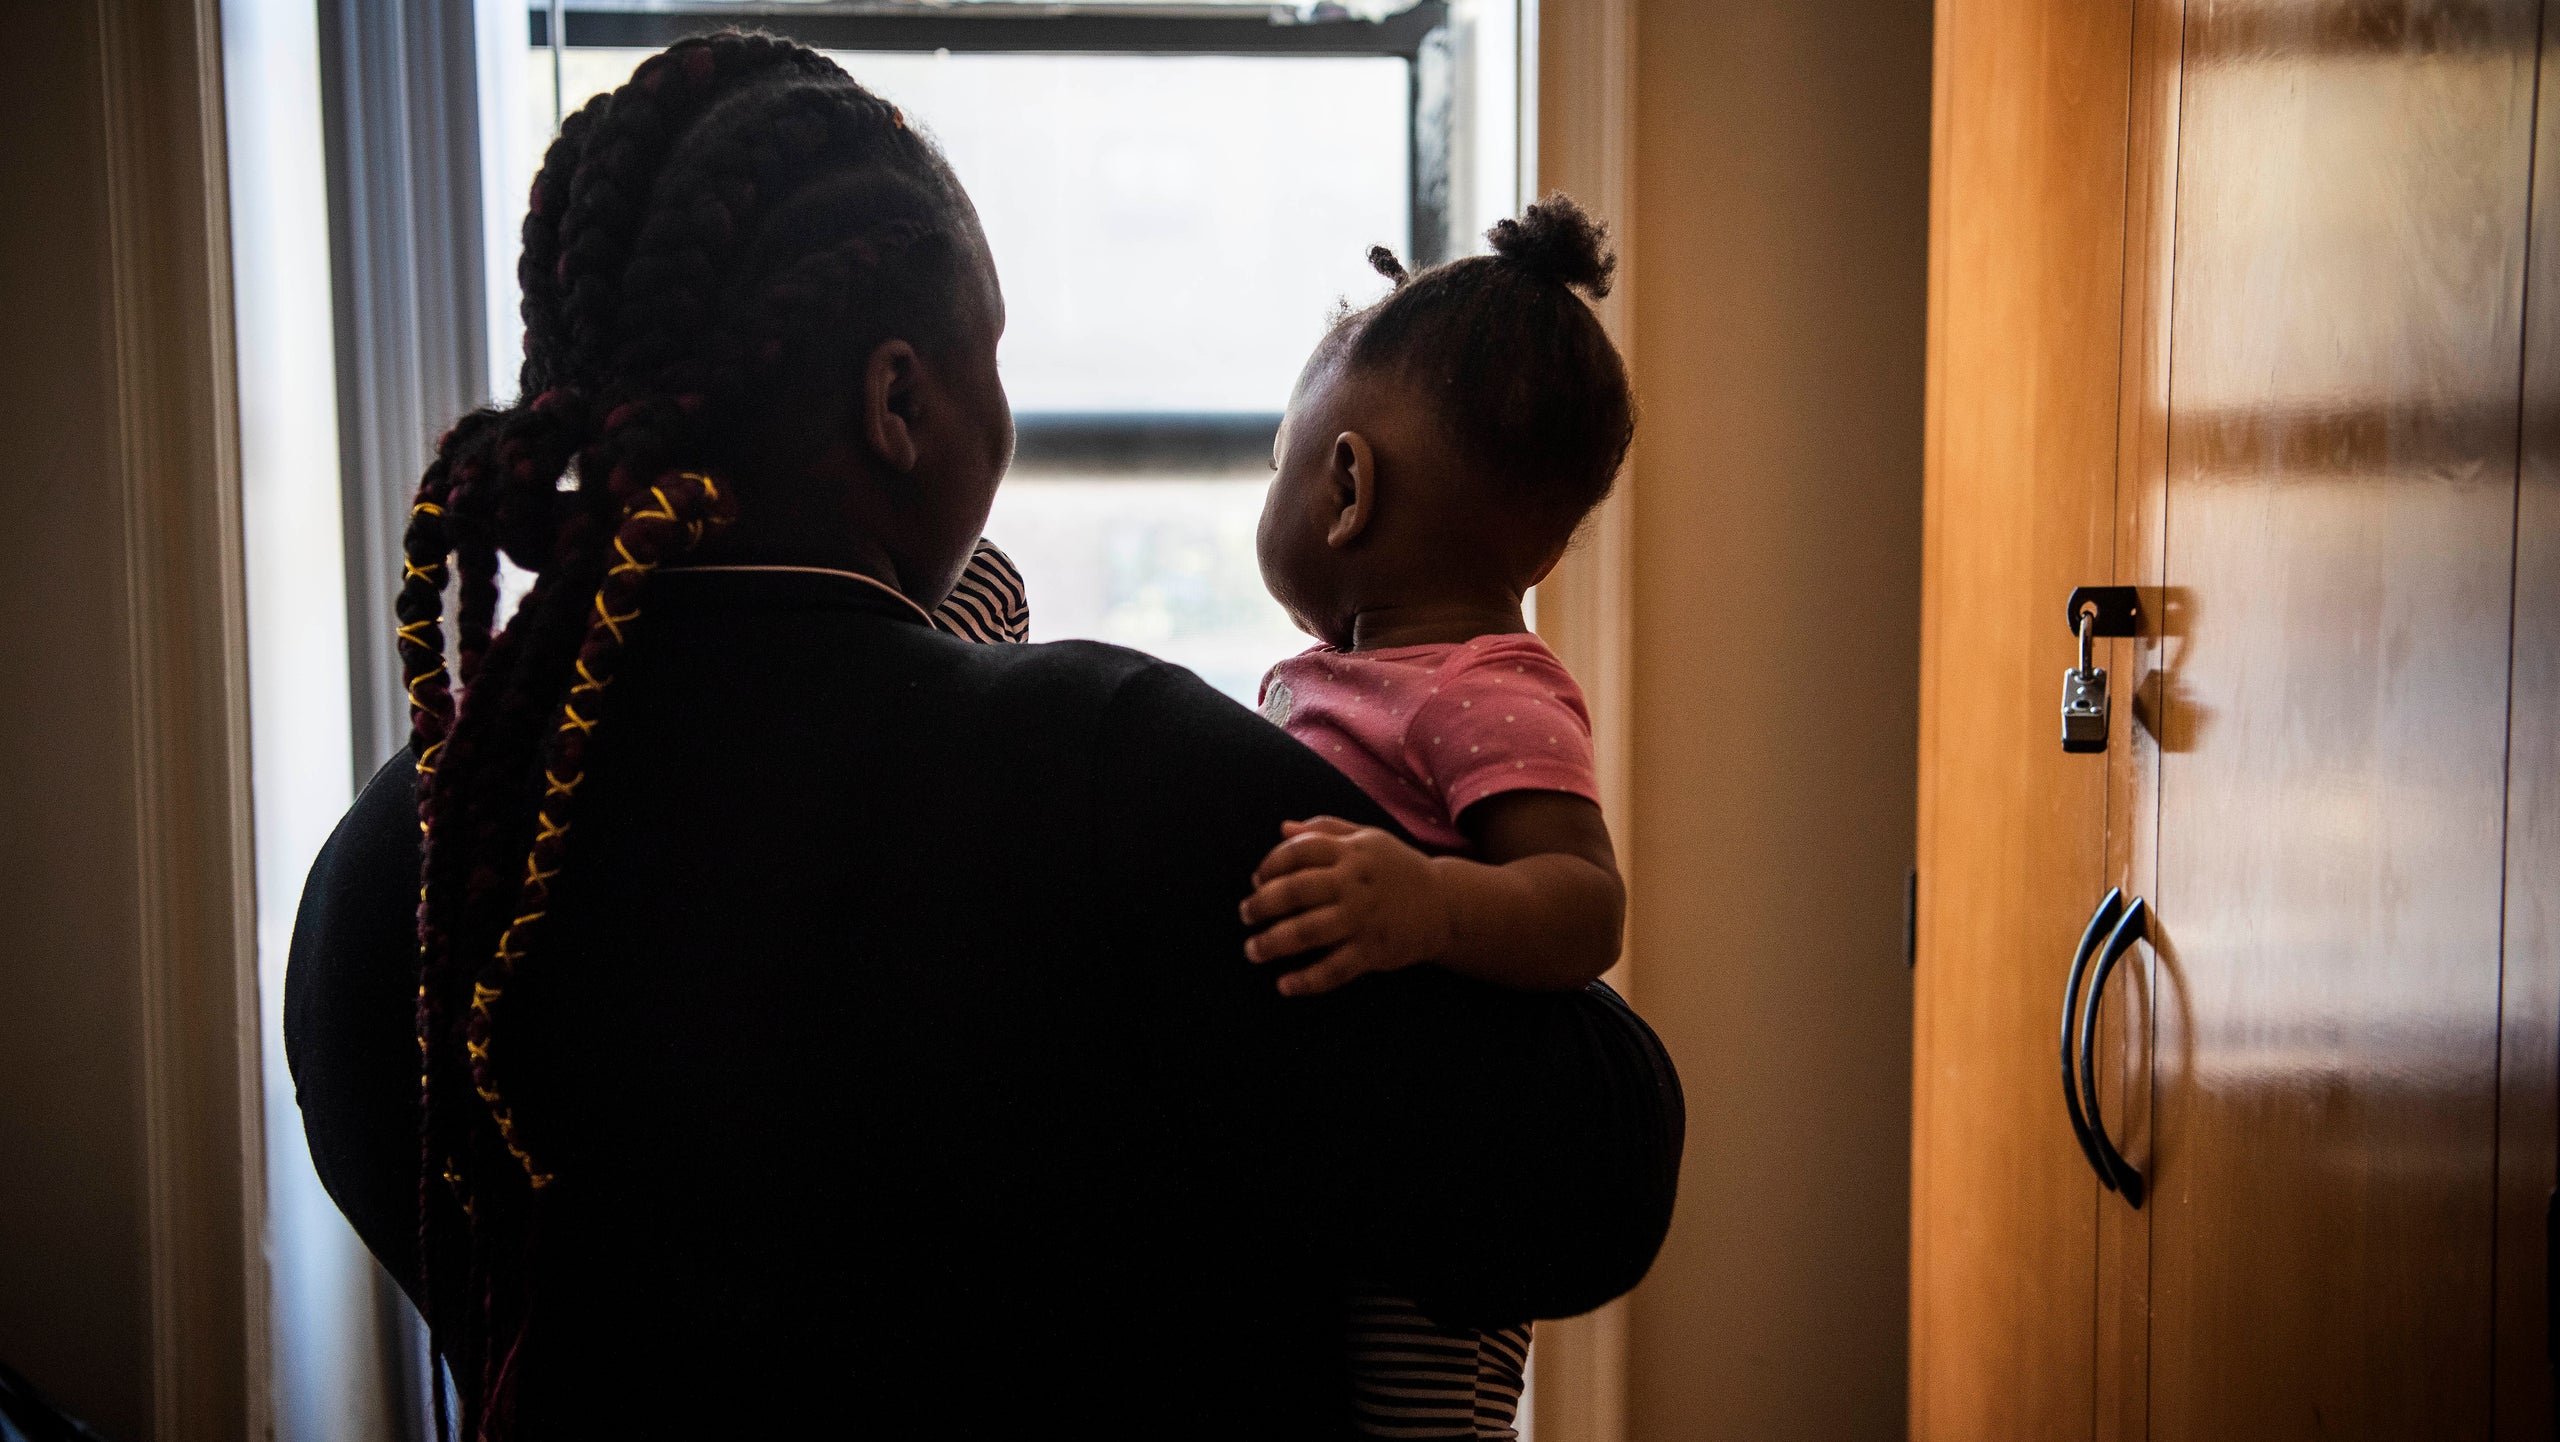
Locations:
{"points": [[892, 397], [1352, 473]]}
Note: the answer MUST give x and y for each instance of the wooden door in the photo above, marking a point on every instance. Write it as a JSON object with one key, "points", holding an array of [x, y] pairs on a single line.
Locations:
{"points": [[2027, 242], [2230, 301], [2336, 578], [2529, 1001]]}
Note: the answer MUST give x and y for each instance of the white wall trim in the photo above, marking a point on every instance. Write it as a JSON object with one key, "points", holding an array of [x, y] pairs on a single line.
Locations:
{"points": [[1584, 93], [1578, 98]]}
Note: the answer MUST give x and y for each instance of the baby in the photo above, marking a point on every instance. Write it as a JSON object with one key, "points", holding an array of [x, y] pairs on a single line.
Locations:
{"points": [[1437, 455]]}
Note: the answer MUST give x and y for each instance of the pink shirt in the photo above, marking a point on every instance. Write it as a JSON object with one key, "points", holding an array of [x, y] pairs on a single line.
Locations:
{"points": [[1429, 731]]}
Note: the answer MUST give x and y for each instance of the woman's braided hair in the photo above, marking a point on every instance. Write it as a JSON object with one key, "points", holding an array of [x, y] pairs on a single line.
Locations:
{"points": [[739, 214]]}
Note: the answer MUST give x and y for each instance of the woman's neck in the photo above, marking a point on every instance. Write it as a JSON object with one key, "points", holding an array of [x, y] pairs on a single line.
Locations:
{"points": [[832, 548]]}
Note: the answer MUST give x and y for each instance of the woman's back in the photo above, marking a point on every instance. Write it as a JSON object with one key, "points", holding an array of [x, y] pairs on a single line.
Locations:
{"points": [[899, 1063]]}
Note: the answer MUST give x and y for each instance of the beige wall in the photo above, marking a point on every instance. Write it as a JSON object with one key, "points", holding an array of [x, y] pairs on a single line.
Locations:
{"points": [[74, 1297], [129, 1284], [1780, 175], [1780, 164]]}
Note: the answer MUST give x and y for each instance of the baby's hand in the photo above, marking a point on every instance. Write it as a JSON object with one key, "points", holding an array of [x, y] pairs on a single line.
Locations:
{"points": [[1358, 897]]}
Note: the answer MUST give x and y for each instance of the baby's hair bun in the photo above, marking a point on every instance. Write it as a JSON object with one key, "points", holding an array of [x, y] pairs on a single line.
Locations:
{"points": [[1555, 239], [1384, 262]]}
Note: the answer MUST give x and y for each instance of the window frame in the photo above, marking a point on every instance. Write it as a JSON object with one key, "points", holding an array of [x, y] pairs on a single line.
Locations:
{"points": [[402, 124], [1418, 35], [1072, 441]]}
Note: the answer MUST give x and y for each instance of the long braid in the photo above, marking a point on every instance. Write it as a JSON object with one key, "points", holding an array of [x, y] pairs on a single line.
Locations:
{"points": [[453, 1122], [670, 519], [471, 512], [739, 211], [427, 545]]}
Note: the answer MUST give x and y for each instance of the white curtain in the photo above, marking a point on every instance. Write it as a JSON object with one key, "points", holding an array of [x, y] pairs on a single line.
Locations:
{"points": [[341, 1341]]}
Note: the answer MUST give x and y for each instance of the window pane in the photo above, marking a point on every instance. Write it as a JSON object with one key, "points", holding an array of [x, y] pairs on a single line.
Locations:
{"points": [[1163, 564], [1173, 234], [1172, 231]]}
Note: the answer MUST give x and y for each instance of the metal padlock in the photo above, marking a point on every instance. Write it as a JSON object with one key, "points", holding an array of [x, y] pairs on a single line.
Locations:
{"points": [[2084, 697]]}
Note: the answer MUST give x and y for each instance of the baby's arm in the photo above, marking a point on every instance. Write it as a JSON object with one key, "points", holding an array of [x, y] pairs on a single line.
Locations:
{"points": [[1540, 911]]}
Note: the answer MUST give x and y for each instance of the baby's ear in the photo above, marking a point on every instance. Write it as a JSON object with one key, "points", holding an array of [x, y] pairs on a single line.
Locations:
{"points": [[1352, 472]]}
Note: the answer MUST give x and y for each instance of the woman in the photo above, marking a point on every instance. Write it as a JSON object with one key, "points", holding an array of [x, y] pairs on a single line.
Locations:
{"points": [[821, 1018]]}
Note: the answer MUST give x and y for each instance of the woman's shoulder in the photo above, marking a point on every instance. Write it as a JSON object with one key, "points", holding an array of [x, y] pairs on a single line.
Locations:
{"points": [[1158, 727], [1095, 676]]}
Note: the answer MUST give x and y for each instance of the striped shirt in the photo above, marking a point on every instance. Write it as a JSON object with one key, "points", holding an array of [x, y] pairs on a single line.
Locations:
{"points": [[1411, 1378], [989, 604]]}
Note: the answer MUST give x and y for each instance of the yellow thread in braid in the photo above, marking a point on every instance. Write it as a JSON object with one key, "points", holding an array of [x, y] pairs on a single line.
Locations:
{"points": [[630, 563], [505, 1117], [710, 491], [481, 996], [426, 508], [611, 621], [434, 571], [536, 879], [408, 632]]}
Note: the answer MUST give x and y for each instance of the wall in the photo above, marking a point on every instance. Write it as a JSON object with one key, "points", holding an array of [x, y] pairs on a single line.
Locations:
{"points": [[129, 1281], [73, 1292], [1780, 175]]}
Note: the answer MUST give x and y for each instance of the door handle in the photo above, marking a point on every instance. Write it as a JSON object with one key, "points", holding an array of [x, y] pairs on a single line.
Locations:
{"points": [[2099, 922], [2133, 927]]}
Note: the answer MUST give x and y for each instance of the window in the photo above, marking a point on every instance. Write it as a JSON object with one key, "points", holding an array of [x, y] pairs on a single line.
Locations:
{"points": [[1178, 198]]}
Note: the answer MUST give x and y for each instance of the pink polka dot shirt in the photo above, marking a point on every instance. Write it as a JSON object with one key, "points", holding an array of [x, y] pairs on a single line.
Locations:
{"points": [[1431, 730]]}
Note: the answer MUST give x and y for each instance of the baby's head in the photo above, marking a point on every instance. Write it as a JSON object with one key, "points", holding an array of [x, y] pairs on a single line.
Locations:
{"points": [[1442, 445]]}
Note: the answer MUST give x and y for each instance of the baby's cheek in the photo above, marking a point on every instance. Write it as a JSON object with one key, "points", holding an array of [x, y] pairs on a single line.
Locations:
{"points": [[1277, 547]]}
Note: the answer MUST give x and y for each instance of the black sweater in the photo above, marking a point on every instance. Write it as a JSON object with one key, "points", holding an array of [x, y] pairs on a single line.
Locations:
{"points": [[894, 1044]]}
